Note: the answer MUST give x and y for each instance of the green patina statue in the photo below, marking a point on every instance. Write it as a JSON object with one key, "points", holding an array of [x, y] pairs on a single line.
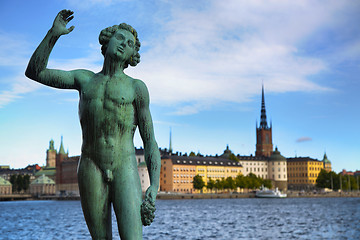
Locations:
{"points": [[111, 106]]}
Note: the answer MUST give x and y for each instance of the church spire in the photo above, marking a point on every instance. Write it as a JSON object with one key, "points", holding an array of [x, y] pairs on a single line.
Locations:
{"points": [[263, 122], [62, 150], [170, 143]]}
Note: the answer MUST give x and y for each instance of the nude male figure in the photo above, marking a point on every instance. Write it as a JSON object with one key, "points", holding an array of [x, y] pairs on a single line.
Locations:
{"points": [[111, 106]]}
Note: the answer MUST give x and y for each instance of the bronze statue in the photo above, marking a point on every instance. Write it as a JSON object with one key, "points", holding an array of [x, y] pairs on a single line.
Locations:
{"points": [[111, 106]]}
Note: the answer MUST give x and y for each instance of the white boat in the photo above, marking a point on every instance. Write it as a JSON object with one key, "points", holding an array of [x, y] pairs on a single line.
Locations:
{"points": [[268, 193]]}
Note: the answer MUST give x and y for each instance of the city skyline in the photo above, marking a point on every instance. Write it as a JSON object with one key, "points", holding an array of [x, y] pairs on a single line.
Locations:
{"points": [[204, 64]]}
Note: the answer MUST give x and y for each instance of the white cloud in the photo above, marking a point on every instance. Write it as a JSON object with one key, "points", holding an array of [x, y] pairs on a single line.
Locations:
{"points": [[14, 57], [20, 86], [224, 51]]}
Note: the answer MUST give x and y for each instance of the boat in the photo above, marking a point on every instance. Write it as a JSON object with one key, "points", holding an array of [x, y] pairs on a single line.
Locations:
{"points": [[268, 193]]}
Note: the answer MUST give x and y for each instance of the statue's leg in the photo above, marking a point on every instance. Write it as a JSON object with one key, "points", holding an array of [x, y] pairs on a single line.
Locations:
{"points": [[95, 201], [127, 200]]}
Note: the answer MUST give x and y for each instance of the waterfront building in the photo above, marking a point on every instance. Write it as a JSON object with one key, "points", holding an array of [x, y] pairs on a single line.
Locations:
{"points": [[326, 163], [66, 173], [273, 168], [7, 173], [177, 171], [303, 172], [5, 187], [264, 146], [43, 185], [266, 163]]}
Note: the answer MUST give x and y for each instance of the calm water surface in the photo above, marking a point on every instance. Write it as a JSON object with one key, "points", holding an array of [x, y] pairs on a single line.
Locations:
{"points": [[293, 218]]}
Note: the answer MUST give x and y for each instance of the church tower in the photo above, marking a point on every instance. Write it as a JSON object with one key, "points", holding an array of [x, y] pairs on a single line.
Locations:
{"points": [[51, 155], [264, 146], [59, 159]]}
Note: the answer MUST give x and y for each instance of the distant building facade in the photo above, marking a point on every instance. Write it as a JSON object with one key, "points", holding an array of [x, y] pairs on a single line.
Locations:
{"points": [[177, 172], [43, 185], [5, 187], [326, 163], [303, 172]]}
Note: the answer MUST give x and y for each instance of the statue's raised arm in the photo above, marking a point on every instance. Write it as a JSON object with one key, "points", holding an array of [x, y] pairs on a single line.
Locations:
{"points": [[37, 68]]}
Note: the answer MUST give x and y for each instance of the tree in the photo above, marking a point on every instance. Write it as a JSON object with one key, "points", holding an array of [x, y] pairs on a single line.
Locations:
{"points": [[26, 182], [322, 180], [230, 183], [219, 184], [267, 183], [210, 184], [19, 183], [254, 181], [13, 182], [198, 182]]}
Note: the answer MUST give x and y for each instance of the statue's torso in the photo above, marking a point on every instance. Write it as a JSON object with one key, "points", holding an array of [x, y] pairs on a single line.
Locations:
{"points": [[107, 114]]}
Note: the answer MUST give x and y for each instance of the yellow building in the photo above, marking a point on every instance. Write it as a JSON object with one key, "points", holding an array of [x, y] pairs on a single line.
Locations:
{"points": [[177, 172], [303, 172]]}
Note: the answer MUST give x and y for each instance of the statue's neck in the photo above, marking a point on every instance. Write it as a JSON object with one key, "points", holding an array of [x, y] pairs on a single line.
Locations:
{"points": [[112, 67]]}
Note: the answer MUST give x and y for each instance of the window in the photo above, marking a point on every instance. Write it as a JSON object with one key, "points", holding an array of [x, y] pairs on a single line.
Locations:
{"points": [[279, 176]]}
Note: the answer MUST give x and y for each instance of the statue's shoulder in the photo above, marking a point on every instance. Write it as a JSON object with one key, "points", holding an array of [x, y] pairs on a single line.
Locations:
{"points": [[139, 85], [83, 76], [141, 91]]}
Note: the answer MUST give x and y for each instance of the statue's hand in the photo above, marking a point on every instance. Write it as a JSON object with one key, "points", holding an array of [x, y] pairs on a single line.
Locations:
{"points": [[60, 22], [148, 206]]}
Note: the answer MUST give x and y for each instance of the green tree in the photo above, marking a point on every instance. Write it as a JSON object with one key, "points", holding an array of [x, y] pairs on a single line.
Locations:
{"points": [[254, 181], [230, 183], [210, 184], [267, 183], [322, 180], [26, 182], [13, 182], [19, 183], [198, 182], [219, 184]]}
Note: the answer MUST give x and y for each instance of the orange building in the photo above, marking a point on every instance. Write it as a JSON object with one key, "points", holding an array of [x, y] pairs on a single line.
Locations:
{"points": [[303, 172], [177, 172]]}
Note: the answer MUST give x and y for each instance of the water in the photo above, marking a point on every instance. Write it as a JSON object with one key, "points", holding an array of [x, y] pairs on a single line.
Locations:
{"points": [[292, 218]]}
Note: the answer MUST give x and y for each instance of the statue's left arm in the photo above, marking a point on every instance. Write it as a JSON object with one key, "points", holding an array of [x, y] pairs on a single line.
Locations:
{"points": [[152, 153]]}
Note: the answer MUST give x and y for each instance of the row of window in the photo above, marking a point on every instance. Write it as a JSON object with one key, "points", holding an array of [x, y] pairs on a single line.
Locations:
{"points": [[302, 174], [255, 163], [182, 176], [258, 169], [303, 168], [301, 181], [183, 169], [305, 163], [182, 181]]}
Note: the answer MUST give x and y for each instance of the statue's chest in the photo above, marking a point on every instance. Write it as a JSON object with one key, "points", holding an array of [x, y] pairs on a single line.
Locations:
{"points": [[106, 95]]}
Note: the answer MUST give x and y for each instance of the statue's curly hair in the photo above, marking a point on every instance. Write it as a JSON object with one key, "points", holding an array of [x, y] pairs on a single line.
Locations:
{"points": [[107, 33]]}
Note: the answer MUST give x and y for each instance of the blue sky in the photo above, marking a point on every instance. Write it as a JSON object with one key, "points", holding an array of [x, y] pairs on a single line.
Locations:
{"points": [[204, 63]]}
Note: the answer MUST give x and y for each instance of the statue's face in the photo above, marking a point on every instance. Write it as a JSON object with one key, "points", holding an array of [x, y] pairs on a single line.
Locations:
{"points": [[121, 45]]}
